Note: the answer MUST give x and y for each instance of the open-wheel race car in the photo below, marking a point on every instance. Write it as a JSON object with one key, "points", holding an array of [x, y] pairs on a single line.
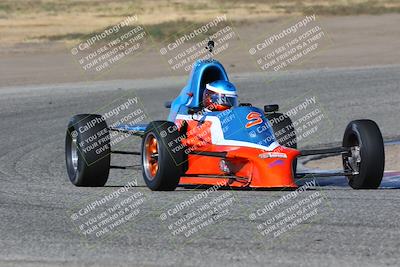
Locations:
{"points": [[201, 143]]}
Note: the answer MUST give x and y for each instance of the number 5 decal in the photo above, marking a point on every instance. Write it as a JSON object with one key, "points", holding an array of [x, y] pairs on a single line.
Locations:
{"points": [[254, 118]]}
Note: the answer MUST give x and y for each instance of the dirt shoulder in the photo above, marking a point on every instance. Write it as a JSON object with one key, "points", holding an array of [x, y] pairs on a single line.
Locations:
{"points": [[355, 41]]}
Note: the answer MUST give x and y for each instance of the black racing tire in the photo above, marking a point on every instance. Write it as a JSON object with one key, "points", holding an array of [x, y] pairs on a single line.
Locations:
{"points": [[87, 150], [162, 163], [283, 125], [366, 135]]}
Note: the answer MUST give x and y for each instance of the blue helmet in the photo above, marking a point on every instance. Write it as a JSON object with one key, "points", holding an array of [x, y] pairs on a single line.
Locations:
{"points": [[220, 95]]}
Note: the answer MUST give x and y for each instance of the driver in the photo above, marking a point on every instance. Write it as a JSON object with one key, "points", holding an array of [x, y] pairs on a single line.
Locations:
{"points": [[219, 96]]}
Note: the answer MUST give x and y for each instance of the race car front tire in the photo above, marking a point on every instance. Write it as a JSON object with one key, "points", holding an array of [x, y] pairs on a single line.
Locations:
{"points": [[162, 156], [367, 155], [87, 150]]}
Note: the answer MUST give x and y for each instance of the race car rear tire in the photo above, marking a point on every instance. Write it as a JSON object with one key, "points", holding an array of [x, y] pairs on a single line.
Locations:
{"points": [[367, 156], [162, 156], [87, 150], [283, 125]]}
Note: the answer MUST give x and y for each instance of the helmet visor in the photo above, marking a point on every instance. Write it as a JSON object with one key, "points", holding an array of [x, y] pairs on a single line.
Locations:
{"points": [[224, 100]]}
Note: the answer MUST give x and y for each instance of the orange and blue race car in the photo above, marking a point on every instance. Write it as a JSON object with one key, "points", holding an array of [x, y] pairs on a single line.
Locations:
{"points": [[209, 138]]}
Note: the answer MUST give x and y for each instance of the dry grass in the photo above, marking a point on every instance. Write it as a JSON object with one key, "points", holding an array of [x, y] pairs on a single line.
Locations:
{"points": [[29, 21]]}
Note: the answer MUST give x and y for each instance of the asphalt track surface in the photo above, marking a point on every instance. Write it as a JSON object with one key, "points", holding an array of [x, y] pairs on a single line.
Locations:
{"points": [[351, 228]]}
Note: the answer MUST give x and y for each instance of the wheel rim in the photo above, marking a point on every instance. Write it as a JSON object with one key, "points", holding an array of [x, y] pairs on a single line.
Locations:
{"points": [[151, 156], [352, 160], [355, 158], [74, 153]]}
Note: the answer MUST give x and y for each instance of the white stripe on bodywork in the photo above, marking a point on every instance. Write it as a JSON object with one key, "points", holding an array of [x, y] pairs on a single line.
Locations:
{"points": [[217, 135]]}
